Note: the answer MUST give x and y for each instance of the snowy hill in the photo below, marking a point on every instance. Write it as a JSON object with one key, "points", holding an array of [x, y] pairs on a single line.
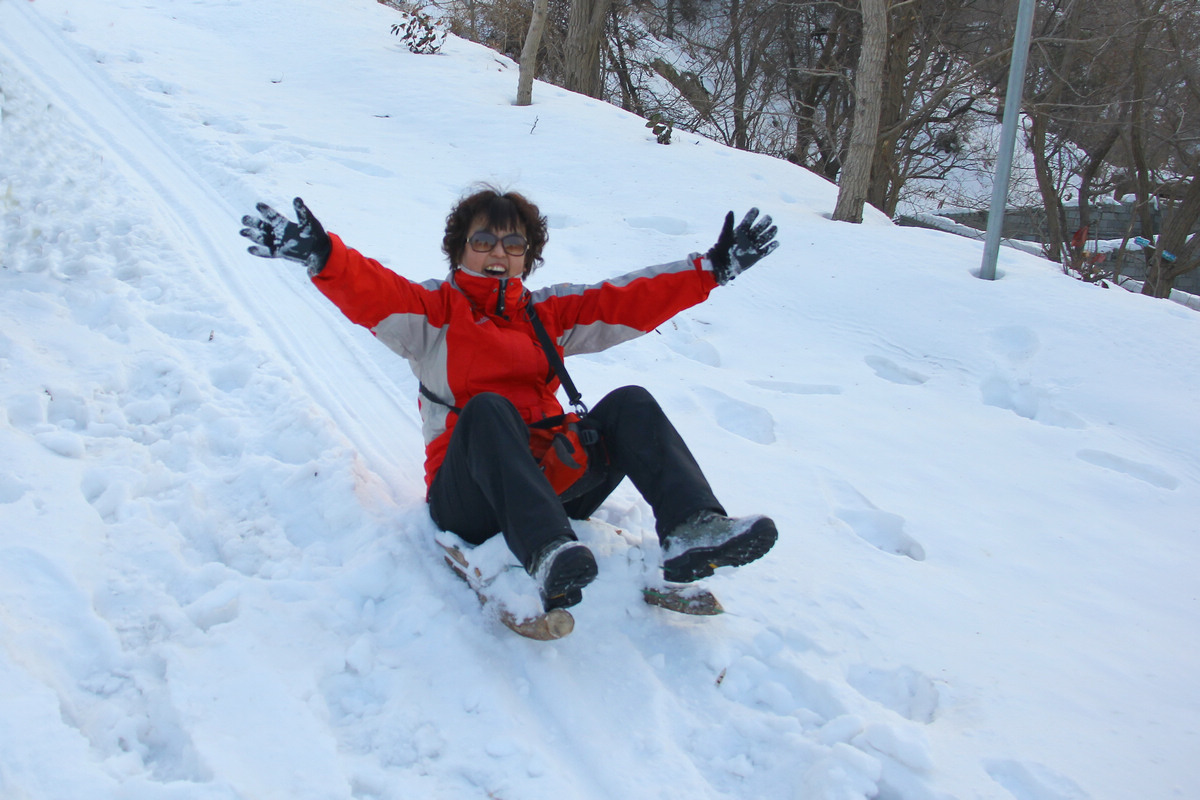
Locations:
{"points": [[217, 574]]}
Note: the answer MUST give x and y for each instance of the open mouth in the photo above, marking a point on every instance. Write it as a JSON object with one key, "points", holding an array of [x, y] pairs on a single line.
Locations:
{"points": [[499, 270]]}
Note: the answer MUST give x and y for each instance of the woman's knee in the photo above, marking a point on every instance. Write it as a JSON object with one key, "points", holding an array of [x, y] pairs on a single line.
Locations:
{"points": [[635, 400], [489, 404], [635, 395], [490, 420]]}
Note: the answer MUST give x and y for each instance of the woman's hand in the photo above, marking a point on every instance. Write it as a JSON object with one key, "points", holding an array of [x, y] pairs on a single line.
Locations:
{"points": [[738, 249], [276, 236]]}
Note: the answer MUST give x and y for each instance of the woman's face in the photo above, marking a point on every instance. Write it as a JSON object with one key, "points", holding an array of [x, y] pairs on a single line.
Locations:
{"points": [[495, 253]]}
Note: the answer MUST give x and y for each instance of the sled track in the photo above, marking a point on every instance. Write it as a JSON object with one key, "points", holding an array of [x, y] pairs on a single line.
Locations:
{"points": [[365, 403]]}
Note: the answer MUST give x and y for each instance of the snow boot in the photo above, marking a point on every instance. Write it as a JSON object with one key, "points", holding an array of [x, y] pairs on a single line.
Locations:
{"points": [[561, 571], [709, 540]]}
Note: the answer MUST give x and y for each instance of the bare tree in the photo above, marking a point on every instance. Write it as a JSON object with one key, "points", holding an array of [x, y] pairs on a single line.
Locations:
{"points": [[1076, 103], [585, 37], [533, 41], [1109, 104], [789, 79], [730, 79], [930, 92], [750, 28], [619, 63], [1178, 250], [932, 99], [819, 50], [868, 99], [1170, 119]]}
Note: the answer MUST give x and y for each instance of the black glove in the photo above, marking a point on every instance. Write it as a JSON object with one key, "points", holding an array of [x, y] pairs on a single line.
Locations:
{"points": [[738, 249], [278, 237]]}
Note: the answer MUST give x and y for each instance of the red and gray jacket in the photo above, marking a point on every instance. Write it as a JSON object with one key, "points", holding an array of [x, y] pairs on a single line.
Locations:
{"points": [[470, 333]]}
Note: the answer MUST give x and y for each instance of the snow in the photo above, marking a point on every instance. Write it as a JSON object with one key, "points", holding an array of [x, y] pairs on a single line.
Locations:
{"points": [[218, 578]]}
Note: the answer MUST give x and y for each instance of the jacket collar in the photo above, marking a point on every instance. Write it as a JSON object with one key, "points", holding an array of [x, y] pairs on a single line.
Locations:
{"points": [[493, 297]]}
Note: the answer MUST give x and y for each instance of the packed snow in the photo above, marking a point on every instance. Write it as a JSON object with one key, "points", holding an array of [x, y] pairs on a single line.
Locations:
{"points": [[218, 577]]}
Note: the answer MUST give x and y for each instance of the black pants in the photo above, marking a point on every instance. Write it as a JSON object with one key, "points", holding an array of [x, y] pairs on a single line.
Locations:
{"points": [[490, 481]]}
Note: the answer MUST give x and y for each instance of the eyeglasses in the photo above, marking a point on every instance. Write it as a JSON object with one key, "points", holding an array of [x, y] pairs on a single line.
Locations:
{"points": [[483, 241]]}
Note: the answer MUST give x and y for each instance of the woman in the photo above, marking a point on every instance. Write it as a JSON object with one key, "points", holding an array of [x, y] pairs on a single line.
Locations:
{"points": [[500, 453]]}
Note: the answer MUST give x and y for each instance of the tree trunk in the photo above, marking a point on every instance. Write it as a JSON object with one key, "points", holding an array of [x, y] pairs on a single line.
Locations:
{"points": [[1087, 176], [739, 83], [1051, 202], [868, 82], [1137, 125], [585, 29], [533, 40], [1160, 273], [884, 168], [616, 56]]}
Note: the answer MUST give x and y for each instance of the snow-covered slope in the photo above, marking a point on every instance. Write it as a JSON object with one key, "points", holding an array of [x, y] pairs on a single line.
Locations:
{"points": [[217, 574]]}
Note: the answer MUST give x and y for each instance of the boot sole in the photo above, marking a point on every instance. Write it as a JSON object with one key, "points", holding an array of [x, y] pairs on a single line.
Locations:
{"points": [[700, 562], [572, 571]]}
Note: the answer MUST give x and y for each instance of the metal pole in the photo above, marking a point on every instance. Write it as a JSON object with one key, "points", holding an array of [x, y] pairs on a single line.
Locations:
{"points": [[1008, 139]]}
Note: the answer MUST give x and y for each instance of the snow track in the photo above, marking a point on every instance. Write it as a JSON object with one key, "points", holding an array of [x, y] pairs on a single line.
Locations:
{"points": [[368, 404]]}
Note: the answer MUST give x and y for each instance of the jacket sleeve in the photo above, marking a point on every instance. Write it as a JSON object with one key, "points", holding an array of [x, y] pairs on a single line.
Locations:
{"points": [[591, 318], [403, 314]]}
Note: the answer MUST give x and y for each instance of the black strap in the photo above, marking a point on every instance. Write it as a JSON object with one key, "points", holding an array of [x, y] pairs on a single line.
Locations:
{"points": [[556, 362], [428, 394]]}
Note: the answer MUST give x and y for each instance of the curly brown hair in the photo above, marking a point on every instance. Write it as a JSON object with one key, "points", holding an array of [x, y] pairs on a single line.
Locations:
{"points": [[500, 211]]}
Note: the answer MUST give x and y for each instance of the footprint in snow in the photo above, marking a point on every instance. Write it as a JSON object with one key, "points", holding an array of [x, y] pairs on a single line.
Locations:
{"points": [[904, 690], [879, 528], [232, 376], [88, 665], [158, 86], [219, 606], [12, 488], [751, 422], [219, 123], [1016, 343], [1024, 399], [26, 411], [1134, 469], [111, 492], [67, 409], [364, 168], [891, 371], [671, 226], [562, 221], [1033, 781], [184, 325], [255, 146], [1010, 388], [788, 387], [686, 338], [63, 443], [697, 350]]}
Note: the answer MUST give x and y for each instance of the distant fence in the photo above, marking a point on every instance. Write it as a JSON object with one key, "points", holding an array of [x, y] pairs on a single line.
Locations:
{"points": [[1109, 221], [1112, 221]]}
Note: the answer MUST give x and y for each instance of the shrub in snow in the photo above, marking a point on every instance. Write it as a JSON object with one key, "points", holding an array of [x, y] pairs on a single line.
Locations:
{"points": [[662, 128], [420, 33]]}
